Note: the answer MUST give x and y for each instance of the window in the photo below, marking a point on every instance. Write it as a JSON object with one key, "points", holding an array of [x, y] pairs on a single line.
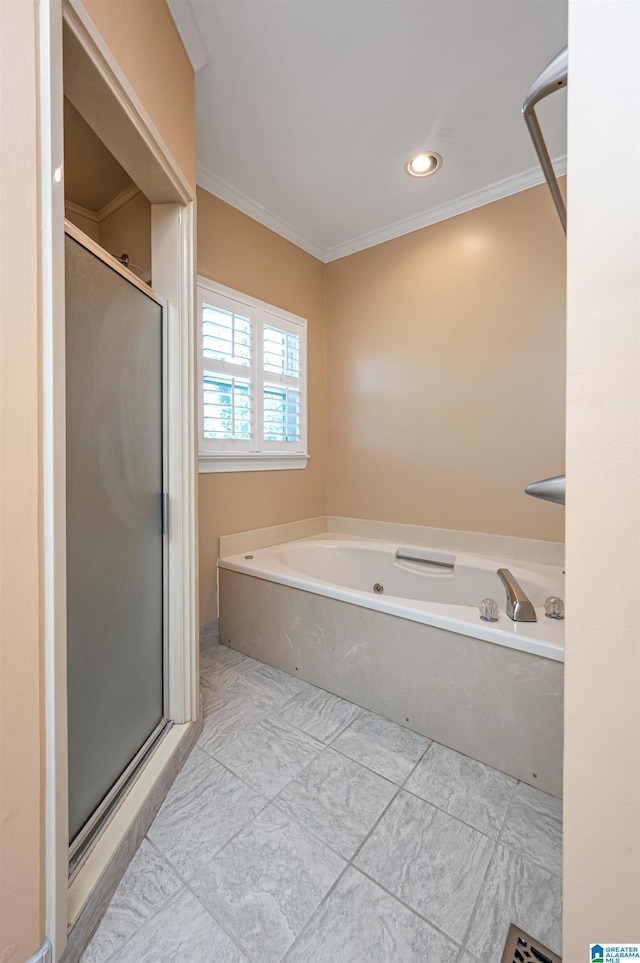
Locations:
{"points": [[253, 406]]}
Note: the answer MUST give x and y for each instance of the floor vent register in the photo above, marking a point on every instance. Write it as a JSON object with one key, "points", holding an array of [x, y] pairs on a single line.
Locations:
{"points": [[522, 948]]}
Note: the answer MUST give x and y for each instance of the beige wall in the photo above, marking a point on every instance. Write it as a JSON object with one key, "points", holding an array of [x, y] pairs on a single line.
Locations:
{"points": [[461, 325], [21, 861], [143, 38], [128, 230], [86, 224], [159, 72], [602, 681], [446, 354], [237, 251]]}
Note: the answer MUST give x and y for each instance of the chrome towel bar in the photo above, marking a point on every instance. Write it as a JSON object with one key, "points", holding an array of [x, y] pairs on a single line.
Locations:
{"points": [[553, 78]]}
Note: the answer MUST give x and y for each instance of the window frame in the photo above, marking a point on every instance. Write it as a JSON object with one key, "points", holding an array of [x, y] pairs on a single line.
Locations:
{"points": [[231, 455]]}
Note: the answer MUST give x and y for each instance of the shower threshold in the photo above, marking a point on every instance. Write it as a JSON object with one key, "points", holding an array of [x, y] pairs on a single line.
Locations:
{"points": [[83, 842]]}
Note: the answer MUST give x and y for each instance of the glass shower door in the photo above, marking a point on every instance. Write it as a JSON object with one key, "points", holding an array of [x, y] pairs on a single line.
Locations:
{"points": [[114, 398]]}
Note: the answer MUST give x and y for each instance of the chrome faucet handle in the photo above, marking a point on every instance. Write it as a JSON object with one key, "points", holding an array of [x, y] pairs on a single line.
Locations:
{"points": [[519, 606]]}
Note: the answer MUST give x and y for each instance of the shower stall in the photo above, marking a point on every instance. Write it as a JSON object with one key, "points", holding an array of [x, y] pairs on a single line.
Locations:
{"points": [[116, 530]]}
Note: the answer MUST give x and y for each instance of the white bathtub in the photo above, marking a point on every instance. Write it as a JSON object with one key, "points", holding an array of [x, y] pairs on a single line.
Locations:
{"points": [[433, 594], [416, 652]]}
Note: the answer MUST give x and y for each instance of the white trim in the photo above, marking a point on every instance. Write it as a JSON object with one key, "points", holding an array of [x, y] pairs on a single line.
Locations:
{"points": [[188, 26], [247, 299], [54, 541], [172, 231], [460, 205], [91, 103], [209, 462], [241, 202]]}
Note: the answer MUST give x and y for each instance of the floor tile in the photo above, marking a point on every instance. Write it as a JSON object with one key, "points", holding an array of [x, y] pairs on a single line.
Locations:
{"points": [[464, 788], [337, 800], [533, 827], [359, 922], [204, 808], [263, 873], [516, 890], [222, 677], [148, 884], [430, 860], [268, 755], [279, 685], [230, 712], [183, 931], [223, 655], [266, 884], [320, 714], [220, 681], [383, 746]]}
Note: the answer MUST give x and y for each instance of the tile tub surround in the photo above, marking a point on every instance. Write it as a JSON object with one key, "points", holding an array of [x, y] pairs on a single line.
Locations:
{"points": [[498, 705], [342, 864]]}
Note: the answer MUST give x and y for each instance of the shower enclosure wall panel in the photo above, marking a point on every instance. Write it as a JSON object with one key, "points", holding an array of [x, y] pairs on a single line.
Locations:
{"points": [[115, 610]]}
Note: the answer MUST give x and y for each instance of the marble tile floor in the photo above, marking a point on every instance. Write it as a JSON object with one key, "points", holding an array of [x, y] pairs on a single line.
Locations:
{"points": [[305, 829]]}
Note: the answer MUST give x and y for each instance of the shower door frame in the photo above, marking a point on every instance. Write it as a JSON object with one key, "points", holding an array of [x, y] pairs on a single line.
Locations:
{"points": [[173, 269], [96, 820]]}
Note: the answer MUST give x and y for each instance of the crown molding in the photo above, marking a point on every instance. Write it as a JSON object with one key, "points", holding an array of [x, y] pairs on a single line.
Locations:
{"points": [[187, 25], [114, 205], [81, 211], [460, 205], [230, 195], [118, 201]]}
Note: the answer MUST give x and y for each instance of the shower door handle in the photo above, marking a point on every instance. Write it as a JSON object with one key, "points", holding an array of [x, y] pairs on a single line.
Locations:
{"points": [[165, 513]]}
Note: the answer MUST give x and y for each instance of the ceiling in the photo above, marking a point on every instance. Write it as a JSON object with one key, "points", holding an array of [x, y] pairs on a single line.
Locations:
{"points": [[308, 110]]}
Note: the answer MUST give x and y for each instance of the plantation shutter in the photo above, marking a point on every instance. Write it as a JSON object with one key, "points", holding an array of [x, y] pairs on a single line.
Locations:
{"points": [[228, 398], [282, 396], [253, 408]]}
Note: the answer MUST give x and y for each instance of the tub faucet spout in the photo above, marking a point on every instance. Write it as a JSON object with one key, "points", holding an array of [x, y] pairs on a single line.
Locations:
{"points": [[519, 607]]}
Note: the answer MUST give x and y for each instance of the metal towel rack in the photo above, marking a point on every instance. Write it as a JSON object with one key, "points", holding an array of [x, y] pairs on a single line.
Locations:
{"points": [[552, 78]]}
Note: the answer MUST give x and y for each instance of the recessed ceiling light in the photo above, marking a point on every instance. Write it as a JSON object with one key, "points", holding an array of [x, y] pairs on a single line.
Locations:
{"points": [[423, 164]]}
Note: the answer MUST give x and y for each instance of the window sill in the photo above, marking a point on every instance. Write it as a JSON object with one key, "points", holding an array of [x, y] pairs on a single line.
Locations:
{"points": [[269, 461]]}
